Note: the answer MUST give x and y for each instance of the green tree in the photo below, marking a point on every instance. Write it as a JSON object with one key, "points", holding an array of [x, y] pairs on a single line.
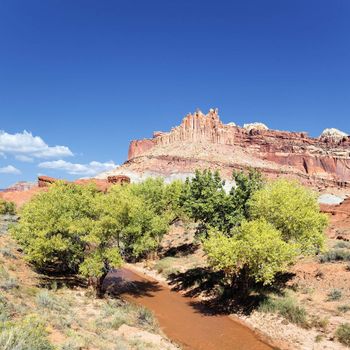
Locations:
{"points": [[293, 210], [162, 198], [137, 226], [255, 252], [62, 230], [246, 184], [205, 200], [7, 207]]}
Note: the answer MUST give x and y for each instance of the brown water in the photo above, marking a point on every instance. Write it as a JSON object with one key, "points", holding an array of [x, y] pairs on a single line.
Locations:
{"points": [[180, 317]]}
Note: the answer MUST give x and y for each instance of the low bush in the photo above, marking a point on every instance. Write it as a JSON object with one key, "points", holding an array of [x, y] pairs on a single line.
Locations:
{"points": [[335, 255], [4, 309], [116, 313], [28, 334], [334, 294], [166, 266], [7, 207], [6, 281], [287, 308], [343, 333], [343, 308], [342, 245], [46, 300]]}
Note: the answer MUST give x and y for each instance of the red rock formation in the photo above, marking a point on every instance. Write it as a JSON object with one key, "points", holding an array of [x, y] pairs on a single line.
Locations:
{"points": [[200, 137], [45, 181], [20, 186], [118, 179]]}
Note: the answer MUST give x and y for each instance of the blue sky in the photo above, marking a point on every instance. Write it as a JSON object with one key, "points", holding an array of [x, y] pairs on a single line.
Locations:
{"points": [[89, 76]]}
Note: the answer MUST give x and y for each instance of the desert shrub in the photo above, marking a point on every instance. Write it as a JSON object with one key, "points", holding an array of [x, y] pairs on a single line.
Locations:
{"points": [[27, 334], [7, 207], [343, 308], [293, 210], [166, 266], [343, 333], [6, 281], [334, 294], [7, 253], [342, 245], [287, 308], [116, 313], [335, 255], [4, 309], [45, 300], [319, 323]]}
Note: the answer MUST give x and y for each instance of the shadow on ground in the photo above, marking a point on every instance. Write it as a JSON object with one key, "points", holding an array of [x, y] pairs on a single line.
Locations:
{"points": [[219, 298], [181, 250], [118, 283]]}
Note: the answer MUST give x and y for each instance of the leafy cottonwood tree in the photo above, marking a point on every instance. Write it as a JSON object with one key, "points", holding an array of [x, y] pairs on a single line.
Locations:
{"points": [[286, 222], [256, 251], [205, 200], [163, 199], [246, 184], [294, 211], [61, 230], [137, 226]]}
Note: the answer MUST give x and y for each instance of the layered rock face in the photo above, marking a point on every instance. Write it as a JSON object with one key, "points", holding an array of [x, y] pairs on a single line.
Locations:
{"points": [[204, 141]]}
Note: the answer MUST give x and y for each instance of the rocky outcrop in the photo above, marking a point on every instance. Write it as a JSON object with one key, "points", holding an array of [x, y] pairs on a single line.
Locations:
{"points": [[118, 179], [46, 181], [20, 186], [203, 140]]}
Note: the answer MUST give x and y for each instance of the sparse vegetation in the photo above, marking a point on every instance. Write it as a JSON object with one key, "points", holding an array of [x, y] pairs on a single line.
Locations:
{"points": [[335, 255], [343, 334], [7, 207], [286, 307], [27, 334], [334, 294], [343, 308]]}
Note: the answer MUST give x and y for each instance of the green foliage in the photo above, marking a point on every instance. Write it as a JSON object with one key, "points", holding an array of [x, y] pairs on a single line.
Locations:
{"points": [[287, 308], [7, 207], [53, 224], [246, 185], [335, 255], [63, 230], [343, 308], [27, 334], [132, 216], [255, 251], [205, 200], [163, 199], [294, 211], [343, 333], [334, 294], [6, 281], [76, 229]]}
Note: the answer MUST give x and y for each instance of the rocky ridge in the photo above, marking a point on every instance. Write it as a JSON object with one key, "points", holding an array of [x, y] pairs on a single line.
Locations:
{"points": [[204, 141]]}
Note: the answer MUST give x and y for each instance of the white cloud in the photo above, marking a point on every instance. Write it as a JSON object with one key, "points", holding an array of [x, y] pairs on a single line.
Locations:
{"points": [[90, 169], [32, 146], [24, 158], [9, 170]]}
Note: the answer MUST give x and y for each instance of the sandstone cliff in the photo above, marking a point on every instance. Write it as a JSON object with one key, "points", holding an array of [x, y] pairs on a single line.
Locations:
{"points": [[204, 141]]}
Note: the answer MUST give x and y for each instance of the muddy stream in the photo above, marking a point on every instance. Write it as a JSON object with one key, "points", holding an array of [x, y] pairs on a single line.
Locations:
{"points": [[181, 319]]}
